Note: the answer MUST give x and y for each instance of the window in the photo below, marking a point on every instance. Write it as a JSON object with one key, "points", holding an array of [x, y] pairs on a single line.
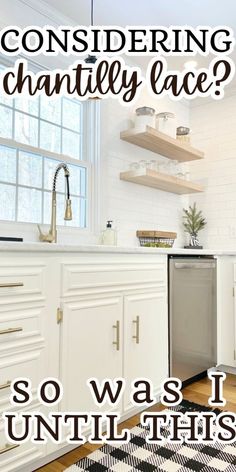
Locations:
{"points": [[35, 135]]}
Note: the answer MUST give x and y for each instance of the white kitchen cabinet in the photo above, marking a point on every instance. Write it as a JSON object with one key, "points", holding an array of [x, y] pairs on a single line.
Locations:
{"points": [[96, 294], [226, 311], [89, 348], [145, 340], [25, 307], [94, 291], [99, 296], [89, 332]]}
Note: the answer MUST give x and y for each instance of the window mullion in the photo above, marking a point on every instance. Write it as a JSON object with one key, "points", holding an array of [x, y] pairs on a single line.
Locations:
{"points": [[13, 120], [61, 124], [39, 122], [43, 193], [17, 185]]}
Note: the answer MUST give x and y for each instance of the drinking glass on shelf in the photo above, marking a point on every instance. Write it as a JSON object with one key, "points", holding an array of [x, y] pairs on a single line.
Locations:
{"points": [[180, 175], [181, 172], [187, 175], [162, 167], [134, 166], [143, 165], [152, 165], [173, 167]]}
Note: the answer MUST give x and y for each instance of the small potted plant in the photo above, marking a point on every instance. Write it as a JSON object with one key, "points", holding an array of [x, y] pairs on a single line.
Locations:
{"points": [[193, 222]]}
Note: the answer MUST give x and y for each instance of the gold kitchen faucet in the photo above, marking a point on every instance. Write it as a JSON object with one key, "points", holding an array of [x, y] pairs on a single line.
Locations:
{"points": [[51, 236]]}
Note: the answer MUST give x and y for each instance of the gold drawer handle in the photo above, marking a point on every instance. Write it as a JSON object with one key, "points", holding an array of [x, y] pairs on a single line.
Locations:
{"points": [[8, 447], [14, 284], [6, 385], [10, 330], [117, 341], [137, 335]]}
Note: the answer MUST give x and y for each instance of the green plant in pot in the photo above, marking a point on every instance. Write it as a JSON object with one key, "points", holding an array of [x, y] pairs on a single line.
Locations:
{"points": [[193, 222]]}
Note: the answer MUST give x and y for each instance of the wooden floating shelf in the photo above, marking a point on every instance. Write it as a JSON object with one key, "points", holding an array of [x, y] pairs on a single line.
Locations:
{"points": [[168, 183], [161, 143]]}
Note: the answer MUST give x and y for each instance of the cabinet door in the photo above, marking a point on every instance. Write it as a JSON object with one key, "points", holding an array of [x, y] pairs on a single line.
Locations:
{"points": [[145, 340], [226, 325], [89, 331], [226, 311]]}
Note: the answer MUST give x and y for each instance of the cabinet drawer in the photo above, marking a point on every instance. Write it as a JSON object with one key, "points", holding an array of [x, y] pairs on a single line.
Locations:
{"points": [[20, 327], [28, 365], [14, 457], [93, 278], [20, 281]]}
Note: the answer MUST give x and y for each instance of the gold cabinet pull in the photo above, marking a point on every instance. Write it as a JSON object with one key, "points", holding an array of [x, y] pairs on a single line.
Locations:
{"points": [[117, 341], [10, 330], [8, 447], [6, 385], [136, 336], [14, 284], [59, 315]]}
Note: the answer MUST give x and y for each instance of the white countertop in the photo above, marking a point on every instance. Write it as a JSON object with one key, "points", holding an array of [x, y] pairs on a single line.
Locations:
{"points": [[46, 247]]}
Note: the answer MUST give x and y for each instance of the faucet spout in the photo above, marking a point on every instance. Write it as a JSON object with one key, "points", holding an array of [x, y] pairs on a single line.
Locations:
{"points": [[51, 236], [68, 210]]}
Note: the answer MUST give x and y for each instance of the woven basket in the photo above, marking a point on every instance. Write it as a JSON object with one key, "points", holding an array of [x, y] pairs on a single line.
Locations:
{"points": [[156, 237]]}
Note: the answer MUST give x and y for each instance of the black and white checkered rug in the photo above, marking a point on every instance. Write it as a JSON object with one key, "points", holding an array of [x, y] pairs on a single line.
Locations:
{"points": [[139, 456]]}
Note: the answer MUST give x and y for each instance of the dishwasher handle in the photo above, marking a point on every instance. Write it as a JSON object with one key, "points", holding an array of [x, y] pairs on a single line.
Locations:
{"points": [[195, 265]]}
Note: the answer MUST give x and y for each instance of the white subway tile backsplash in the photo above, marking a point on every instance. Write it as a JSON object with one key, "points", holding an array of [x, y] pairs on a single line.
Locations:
{"points": [[213, 126], [132, 206]]}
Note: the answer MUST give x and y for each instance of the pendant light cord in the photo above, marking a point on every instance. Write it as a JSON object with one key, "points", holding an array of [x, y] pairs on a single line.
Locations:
{"points": [[91, 59], [92, 10]]}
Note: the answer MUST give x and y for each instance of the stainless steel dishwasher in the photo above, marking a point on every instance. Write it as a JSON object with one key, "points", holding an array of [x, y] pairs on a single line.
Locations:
{"points": [[192, 316]]}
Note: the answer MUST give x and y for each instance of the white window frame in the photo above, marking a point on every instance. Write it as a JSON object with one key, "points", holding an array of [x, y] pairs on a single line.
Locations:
{"points": [[91, 147]]}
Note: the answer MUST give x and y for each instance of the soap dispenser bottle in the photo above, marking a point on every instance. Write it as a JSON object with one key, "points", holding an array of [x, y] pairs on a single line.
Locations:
{"points": [[109, 235]]}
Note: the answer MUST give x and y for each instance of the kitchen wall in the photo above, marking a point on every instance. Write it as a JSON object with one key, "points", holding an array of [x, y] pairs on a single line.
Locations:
{"points": [[130, 206], [214, 124], [133, 206]]}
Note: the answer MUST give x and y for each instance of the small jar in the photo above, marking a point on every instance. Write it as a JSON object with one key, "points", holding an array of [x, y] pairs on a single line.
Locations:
{"points": [[183, 134], [145, 116], [166, 123]]}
